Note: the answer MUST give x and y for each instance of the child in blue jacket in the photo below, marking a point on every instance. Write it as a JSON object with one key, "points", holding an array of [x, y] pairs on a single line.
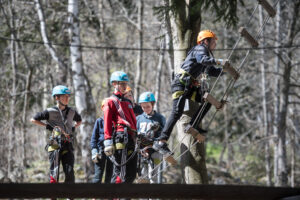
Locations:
{"points": [[98, 155], [149, 127]]}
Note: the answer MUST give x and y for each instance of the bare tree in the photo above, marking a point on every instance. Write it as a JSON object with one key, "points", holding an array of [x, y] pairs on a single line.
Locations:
{"points": [[83, 97], [53, 52], [13, 93], [264, 103], [138, 76]]}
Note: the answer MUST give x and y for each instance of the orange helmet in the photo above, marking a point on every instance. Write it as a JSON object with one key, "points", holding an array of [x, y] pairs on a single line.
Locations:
{"points": [[128, 89], [205, 34]]}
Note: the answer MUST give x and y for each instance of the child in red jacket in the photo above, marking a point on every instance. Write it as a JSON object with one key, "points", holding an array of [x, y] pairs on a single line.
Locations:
{"points": [[119, 144]]}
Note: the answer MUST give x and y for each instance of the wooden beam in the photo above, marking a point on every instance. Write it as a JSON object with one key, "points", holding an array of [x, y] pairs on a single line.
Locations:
{"points": [[209, 98], [228, 68], [195, 133], [244, 33], [270, 10], [176, 191]]}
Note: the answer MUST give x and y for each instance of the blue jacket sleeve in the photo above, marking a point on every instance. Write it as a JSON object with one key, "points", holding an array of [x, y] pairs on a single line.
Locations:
{"points": [[95, 135]]}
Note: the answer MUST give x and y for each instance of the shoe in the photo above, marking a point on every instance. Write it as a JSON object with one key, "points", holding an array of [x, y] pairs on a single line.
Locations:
{"points": [[162, 148]]}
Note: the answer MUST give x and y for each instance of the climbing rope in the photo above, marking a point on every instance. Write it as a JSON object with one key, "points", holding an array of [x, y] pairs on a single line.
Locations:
{"points": [[231, 84]]}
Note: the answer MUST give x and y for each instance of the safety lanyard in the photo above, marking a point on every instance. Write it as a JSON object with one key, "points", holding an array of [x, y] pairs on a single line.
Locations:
{"points": [[64, 118], [120, 110]]}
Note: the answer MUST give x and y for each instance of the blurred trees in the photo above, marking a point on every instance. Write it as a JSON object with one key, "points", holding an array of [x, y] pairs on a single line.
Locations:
{"points": [[110, 40]]}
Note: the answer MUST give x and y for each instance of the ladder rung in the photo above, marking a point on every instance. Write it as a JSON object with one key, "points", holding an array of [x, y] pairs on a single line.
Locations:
{"points": [[171, 160], [195, 133], [243, 31], [208, 97], [265, 4], [228, 68]]}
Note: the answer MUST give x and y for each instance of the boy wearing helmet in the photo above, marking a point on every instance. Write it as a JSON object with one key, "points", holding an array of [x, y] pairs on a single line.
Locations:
{"points": [[149, 127], [60, 121], [98, 156], [198, 64], [119, 143]]}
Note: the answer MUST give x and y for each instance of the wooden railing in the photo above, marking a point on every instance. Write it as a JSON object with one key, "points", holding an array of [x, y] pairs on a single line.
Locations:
{"points": [[162, 191]]}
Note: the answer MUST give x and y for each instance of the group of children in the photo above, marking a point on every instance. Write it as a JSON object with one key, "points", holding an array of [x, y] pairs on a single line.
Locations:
{"points": [[125, 126]]}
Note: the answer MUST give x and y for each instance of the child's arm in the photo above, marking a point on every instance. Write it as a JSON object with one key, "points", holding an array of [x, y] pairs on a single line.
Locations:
{"points": [[41, 116], [77, 119]]}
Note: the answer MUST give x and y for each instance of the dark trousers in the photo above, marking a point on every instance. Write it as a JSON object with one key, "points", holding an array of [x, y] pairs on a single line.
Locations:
{"points": [[67, 160], [177, 111], [103, 164], [127, 172]]}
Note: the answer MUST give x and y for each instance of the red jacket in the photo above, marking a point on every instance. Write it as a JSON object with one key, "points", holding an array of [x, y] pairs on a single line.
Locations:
{"points": [[118, 111]]}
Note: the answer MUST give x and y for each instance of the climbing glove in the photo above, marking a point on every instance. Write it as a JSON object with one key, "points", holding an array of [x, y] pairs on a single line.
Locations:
{"points": [[109, 148], [95, 155], [221, 61]]}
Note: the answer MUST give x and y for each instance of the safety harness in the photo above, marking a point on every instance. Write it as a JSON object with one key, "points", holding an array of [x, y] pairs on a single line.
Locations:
{"points": [[122, 143]]}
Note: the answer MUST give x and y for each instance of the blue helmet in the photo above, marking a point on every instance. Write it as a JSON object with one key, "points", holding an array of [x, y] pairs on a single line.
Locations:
{"points": [[60, 89], [119, 76], [146, 97]]}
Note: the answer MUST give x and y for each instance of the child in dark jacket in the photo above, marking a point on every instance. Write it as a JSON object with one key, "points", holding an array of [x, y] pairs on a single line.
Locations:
{"points": [[98, 156]]}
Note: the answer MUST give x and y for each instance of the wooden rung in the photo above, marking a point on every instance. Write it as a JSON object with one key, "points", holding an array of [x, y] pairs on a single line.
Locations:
{"points": [[208, 97], [195, 133], [265, 4], [228, 68], [143, 180], [171, 160], [243, 31]]}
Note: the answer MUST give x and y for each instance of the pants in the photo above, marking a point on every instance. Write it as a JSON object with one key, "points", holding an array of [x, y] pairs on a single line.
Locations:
{"points": [[127, 172], [147, 165], [103, 164], [67, 160], [177, 111]]}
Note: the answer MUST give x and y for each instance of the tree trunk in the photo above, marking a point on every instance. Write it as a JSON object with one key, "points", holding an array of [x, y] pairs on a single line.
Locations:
{"points": [[12, 133], [158, 73], [137, 81], [62, 66], [264, 103], [169, 40], [277, 91], [281, 126], [83, 96], [184, 37]]}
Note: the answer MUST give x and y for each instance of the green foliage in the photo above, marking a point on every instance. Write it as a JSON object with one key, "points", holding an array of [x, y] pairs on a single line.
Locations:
{"points": [[213, 151], [225, 10]]}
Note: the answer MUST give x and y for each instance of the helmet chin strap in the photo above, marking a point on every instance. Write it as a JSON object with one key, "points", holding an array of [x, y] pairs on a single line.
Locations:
{"points": [[60, 103]]}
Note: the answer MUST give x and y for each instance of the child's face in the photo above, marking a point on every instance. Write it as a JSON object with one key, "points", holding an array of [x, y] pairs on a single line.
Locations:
{"points": [[64, 98], [147, 107], [212, 44], [129, 96], [120, 86]]}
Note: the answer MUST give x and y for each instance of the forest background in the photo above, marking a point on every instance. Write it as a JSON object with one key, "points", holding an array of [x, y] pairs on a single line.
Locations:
{"points": [[253, 140]]}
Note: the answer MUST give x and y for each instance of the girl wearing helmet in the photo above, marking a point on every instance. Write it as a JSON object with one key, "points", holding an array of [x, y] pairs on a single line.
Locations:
{"points": [[60, 121], [149, 127], [199, 63]]}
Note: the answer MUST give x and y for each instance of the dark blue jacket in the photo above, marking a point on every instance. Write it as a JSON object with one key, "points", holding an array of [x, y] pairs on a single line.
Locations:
{"points": [[98, 135], [145, 121], [200, 61]]}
